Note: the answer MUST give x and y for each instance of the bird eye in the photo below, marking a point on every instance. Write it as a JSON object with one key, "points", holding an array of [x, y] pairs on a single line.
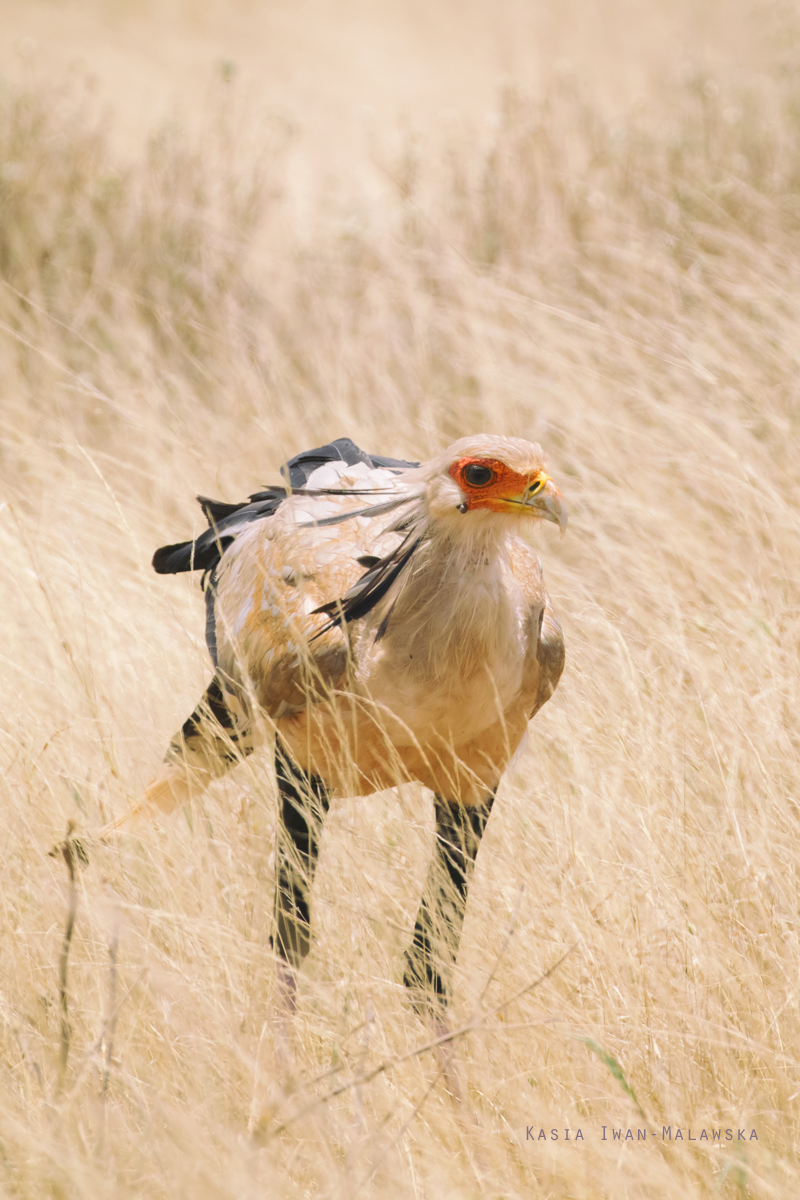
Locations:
{"points": [[477, 476]]}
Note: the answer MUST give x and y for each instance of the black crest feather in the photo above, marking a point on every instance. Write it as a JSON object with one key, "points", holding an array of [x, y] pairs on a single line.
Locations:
{"points": [[370, 589], [226, 521]]}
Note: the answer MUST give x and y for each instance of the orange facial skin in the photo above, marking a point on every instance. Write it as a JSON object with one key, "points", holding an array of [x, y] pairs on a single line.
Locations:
{"points": [[505, 491]]}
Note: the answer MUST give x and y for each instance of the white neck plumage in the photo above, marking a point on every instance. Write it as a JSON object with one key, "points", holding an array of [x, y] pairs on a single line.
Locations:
{"points": [[451, 606]]}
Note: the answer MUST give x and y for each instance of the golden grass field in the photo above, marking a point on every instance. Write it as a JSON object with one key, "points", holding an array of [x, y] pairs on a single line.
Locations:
{"points": [[609, 265]]}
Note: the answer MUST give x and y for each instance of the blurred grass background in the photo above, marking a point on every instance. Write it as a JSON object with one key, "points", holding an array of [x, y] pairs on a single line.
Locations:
{"points": [[580, 227]]}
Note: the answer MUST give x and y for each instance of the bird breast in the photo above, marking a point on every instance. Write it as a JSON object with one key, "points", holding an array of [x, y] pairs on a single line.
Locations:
{"points": [[451, 660]]}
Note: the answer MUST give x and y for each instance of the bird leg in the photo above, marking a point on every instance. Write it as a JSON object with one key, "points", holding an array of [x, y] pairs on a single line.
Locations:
{"points": [[304, 802], [437, 933], [213, 739]]}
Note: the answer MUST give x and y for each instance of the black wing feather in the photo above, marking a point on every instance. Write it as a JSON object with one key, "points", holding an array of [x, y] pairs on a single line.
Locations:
{"points": [[227, 520], [367, 591]]}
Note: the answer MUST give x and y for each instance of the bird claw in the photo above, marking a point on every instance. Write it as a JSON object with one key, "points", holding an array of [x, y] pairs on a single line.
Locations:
{"points": [[287, 989], [445, 1053]]}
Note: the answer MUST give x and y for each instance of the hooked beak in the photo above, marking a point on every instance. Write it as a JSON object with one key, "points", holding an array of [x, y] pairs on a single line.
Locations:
{"points": [[549, 503], [543, 499]]}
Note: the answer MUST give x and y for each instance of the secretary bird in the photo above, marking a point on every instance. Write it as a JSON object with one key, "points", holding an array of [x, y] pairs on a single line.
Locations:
{"points": [[388, 622]]}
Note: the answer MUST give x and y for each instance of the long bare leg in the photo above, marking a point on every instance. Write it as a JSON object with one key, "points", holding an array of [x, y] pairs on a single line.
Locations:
{"points": [[437, 933], [304, 802], [212, 740]]}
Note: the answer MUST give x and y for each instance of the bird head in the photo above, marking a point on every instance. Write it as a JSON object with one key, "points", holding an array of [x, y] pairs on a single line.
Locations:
{"points": [[486, 482], [476, 493]]}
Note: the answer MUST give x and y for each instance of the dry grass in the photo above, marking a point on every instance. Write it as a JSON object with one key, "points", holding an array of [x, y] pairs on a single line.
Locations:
{"points": [[629, 296]]}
